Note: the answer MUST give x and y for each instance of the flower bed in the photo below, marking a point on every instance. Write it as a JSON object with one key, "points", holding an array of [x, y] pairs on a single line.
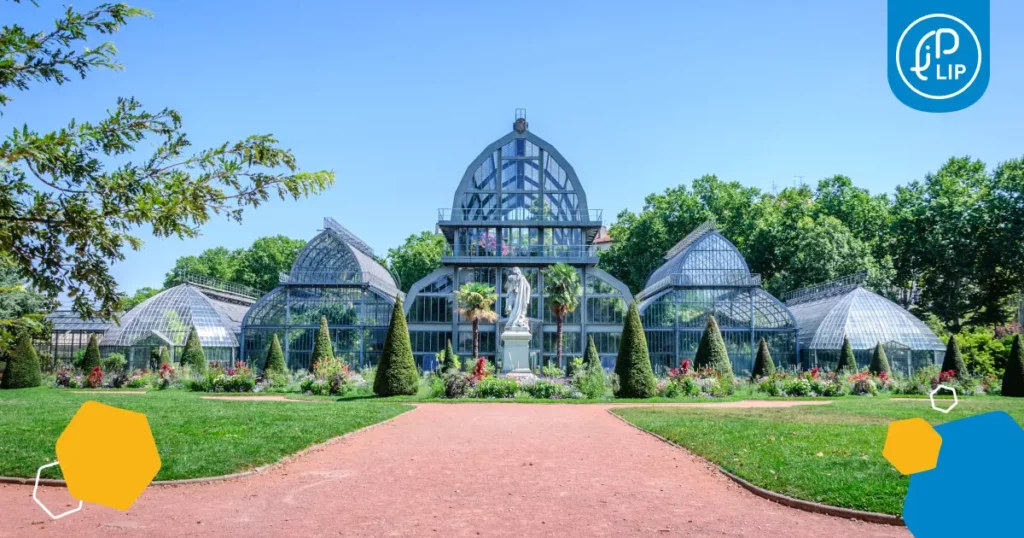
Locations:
{"points": [[816, 382]]}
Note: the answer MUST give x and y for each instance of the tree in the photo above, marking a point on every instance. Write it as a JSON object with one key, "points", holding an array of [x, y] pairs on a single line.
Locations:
{"points": [[879, 362], [1013, 377], [22, 368], [131, 301], [475, 300], [954, 360], [711, 352], [448, 359], [590, 357], [217, 262], [633, 365], [21, 309], [91, 359], [416, 258], [763, 363], [275, 363], [396, 372], [258, 266], [193, 355], [71, 200], [322, 347], [562, 292], [847, 360], [165, 356]]}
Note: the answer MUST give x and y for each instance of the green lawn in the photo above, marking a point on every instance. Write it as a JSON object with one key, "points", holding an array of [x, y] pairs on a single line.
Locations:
{"points": [[195, 437], [830, 454]]}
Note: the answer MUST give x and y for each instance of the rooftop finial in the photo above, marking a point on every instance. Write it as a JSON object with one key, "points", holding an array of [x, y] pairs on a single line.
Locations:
{"points": [[520, 124]]}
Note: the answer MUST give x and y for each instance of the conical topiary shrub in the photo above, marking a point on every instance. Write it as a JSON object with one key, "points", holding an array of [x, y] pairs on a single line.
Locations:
{"points": [[711, 352], [396, 372], [879, 362], [91, 359], [763, 363], [165, 356], [1013, 377], [847, 361], [275, 358], [449, 360], [633, 365], [322, 348], [193, 356], [954, 360], [590, 357], [22, 370]]}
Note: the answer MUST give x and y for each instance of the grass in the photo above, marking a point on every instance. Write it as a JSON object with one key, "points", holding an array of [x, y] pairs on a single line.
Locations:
{"points": [[830, 454], [195, 437]]}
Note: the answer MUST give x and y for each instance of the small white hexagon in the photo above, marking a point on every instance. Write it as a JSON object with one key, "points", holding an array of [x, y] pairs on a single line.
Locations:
{"points": [[931, 396], [35, 498]]}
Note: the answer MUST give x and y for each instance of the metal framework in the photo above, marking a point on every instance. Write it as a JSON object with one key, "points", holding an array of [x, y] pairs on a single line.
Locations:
{"points": [[335, 276], [704, 274], [843, 308], [521, 204], [68, 334]]}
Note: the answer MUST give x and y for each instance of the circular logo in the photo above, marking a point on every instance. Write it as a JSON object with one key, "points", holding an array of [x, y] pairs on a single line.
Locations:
{"points": [[935, 64]]}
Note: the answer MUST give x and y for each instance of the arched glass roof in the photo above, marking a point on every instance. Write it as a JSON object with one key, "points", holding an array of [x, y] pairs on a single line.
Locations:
{"points": [[520, 177], [864, 317], [702, 258], [337, 256], [742, 308], [170, 315]]}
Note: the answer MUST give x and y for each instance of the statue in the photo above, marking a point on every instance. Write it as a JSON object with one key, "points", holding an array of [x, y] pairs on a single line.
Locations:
{"points": [[517, 301]]}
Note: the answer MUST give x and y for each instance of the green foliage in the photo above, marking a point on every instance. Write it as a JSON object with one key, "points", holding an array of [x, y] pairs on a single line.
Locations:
{"points": [[552, 370], [847, 360], [322, 347], [416, 258], [165, 356], [275, 363], [633, 365], [954, 359], [496, 387], [589, 380], [590, 356], [763, 363], [21, 309], [562, 292], [91, 357], [193, 355], [984, 354], [475, 302], [22, 369], [396, 372], [113, 363], [879, 362], [131, 301], [711, 352], [72, 195], [447, 359], [1013, 377], [257, 266]]}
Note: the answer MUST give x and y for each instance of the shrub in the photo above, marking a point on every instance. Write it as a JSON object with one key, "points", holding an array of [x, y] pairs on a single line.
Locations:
{"points": [[482, 369], [863, 384], [680, 386], [879, 362], [322, 348], [711, 353], [954, 360], [193, 356], [447, 359], [327, 368], [590, 380], [166, 377], [95, 378], [275, 363], [312, 385], [63, 378], [91, 357], [590, 356], [546, 390], [455, 384], [763, 363], [847, 361], [797, 386], [369, 374], [137, 380], [238, 379], [154, 357], [1013, 376], [113, 363], [496, 387], [22, 370], [633, 366], [165, 356], [552, 370], [396, 371]]}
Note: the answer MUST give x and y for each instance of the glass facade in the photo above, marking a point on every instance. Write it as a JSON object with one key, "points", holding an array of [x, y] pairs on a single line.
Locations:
{"points": [[830, 312], [165, 320], [519, 204], [68, 334], [335, 276], [703, 275]]}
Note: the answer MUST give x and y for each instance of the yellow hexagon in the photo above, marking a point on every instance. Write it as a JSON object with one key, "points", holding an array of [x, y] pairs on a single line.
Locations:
{"points": [[912, 446], [107, 455]]}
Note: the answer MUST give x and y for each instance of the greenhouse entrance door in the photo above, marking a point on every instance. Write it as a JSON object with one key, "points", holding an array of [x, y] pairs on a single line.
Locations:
{"points": [[899, 357]]}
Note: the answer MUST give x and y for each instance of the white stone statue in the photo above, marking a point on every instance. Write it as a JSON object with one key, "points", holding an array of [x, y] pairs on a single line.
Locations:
{"points": [[517, 301]]}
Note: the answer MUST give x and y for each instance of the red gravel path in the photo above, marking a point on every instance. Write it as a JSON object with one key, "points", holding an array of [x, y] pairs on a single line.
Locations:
{"points": [[458, 470]]}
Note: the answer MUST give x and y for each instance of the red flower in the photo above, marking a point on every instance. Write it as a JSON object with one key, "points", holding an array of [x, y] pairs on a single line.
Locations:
{"points": [[686, 365], [480, 369], [815, 372]]}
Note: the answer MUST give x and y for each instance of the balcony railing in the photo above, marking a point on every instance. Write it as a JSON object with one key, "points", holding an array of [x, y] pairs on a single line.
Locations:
{"points": [[586, 252], [522, 214]]}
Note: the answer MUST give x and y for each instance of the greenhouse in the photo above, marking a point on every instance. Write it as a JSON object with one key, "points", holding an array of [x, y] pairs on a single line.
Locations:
{"points": [[165, 320], [704, 274], [335, 276], [69, 333], [519, 204], [844, 308]]}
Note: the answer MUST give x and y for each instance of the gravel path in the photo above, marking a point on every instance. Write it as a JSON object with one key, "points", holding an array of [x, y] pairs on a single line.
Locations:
{"points": [[457, 470]]}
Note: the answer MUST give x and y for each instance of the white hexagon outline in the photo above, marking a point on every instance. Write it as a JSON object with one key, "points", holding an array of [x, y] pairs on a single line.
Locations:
{"points": [[39, 471], [931, 397]]}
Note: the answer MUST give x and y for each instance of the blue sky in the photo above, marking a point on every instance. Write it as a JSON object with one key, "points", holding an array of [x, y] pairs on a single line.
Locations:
{"points": [[398, 97]]}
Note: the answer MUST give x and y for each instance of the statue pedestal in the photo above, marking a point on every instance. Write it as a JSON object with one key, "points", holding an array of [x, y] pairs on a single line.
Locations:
{"points": [[516, 347]]}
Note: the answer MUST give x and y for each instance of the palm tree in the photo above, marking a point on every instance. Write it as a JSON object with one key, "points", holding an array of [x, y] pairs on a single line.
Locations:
{"points": [[562, 291], [475, 301]]}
